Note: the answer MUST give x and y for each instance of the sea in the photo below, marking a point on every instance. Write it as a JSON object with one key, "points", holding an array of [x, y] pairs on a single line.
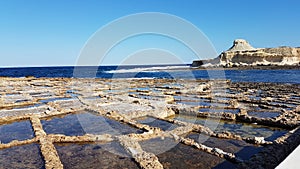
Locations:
{"points": [[156, 72]]}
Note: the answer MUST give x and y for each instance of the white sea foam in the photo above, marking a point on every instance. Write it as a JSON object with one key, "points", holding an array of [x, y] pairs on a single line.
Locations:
{"points": [[146, 69]]}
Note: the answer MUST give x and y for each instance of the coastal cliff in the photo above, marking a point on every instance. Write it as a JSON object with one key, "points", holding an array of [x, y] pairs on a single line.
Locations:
{"points": [[243, 54]]}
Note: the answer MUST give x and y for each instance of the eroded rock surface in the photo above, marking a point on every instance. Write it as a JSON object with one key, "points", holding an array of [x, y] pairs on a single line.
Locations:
{"points": [[160, 102], [243, 54]]}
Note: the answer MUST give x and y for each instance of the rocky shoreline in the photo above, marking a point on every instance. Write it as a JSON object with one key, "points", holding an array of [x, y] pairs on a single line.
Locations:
{"points": [[269, 67], [242, 54], [171, 109]]}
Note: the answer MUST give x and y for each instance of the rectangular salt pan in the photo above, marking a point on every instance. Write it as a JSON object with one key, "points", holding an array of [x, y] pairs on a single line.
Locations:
{"points": [[172, 154], [27, 156], [153, 122], [239, 128], [110, 155], [86, 123], [16, 131]]}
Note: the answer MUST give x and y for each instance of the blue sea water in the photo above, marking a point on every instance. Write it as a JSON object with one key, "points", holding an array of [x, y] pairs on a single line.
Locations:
{"points": [[157, 71]]}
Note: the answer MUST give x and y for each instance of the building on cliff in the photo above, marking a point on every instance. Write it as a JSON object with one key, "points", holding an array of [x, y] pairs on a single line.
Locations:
{"points": [[243, 54]]}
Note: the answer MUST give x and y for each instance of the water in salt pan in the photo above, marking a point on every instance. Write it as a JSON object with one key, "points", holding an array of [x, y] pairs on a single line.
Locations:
{"points": [[239, 128], [109, 155], [153, 122], [26, 156], [214, 110], [240, 148], [177, 155], [55, 99], [80, 124], [263, 114], [16, 131]]}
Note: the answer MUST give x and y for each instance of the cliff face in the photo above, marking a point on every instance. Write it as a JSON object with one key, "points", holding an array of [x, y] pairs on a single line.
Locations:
{"points": [[243, 54]]}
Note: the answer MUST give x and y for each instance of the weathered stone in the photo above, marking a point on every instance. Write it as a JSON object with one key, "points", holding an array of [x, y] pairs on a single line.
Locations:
{"points": [[117, 104], [243, 54]]}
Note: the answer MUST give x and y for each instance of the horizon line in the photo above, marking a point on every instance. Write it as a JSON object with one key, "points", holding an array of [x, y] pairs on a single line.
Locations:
{"points": [[49, 66]]}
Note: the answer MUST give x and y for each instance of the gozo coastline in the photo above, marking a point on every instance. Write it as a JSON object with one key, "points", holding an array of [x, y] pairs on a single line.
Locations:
{"points": [[149, 84], [243, 54], [146, 123]]}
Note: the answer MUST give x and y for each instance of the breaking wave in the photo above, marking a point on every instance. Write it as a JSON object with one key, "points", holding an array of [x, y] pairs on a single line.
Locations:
{"points": [[147, 69]]}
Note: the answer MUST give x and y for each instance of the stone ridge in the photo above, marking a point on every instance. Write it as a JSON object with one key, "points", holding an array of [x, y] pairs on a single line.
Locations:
{"points": [[241, 45], [243, 54]]}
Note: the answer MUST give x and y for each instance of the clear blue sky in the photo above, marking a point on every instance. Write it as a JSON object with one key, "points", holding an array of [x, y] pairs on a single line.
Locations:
{"points": [[52, 32]]}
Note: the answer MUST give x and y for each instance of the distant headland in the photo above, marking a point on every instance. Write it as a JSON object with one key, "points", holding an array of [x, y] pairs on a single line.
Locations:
{"points": [[242, 54]]}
